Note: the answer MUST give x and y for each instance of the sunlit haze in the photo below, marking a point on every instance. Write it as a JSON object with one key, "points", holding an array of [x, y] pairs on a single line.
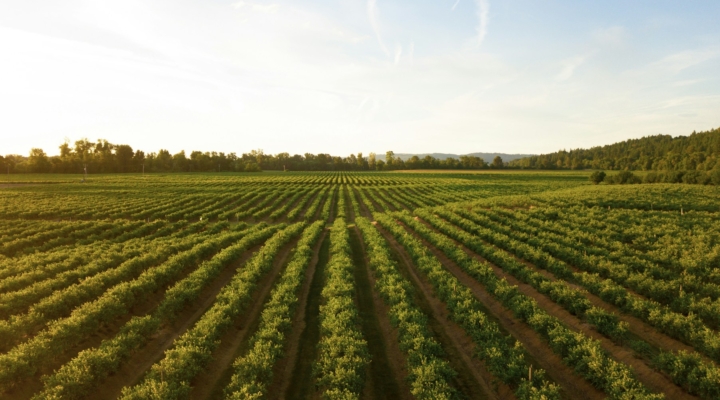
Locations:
{"points": [[454, 76]]}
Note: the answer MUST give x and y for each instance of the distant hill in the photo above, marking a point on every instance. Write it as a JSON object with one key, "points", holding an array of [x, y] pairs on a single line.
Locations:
{"points": [[487, 157], [699, 151]]}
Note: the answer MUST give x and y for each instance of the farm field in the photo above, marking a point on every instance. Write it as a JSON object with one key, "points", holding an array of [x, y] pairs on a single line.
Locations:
{"points": [[452, 285]]}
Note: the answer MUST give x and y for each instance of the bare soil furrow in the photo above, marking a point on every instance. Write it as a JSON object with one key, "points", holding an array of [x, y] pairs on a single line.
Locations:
{"points": [[134, 369], [216, 375], [473, 380], [572, 385]]}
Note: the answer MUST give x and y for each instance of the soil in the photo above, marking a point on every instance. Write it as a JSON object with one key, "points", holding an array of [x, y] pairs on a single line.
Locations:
{"points": [[654, 380], [210, 382], [386, 371], [473, 379], [636, 326], [134, 369], [27, 387], [572, 385], [298, 381], [283, 369], [363, 207], [378, 207]]}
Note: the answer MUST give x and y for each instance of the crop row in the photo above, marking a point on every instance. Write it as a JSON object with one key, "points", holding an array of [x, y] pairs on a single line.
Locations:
{"points": [[24, 359], [689, 329], [342, 350], [170, 377], [698, 376], [429, 375], [78, 377], [252, 373], [503, 358]]}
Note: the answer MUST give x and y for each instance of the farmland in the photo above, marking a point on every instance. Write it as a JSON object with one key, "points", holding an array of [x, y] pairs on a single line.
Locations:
{"points": [[490, 285]]}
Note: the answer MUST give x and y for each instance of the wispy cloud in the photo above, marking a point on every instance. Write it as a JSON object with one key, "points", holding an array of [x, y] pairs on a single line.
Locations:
{"points": [[677, 62], [482, 13], [398, 53], [455, 5], [372, 15], [569, 67]]}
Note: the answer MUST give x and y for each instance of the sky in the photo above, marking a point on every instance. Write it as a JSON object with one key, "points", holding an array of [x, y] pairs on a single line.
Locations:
{"points": [[348, 76]]}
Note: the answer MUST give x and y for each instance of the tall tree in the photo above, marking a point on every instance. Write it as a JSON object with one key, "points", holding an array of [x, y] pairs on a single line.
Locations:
{"points": [[389, 158], [371, 161], [497, 162], [38, 161]]}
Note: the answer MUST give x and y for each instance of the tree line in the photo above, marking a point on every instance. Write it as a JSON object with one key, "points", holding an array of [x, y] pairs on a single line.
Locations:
{"points": [[105, 157], [698, 152]]}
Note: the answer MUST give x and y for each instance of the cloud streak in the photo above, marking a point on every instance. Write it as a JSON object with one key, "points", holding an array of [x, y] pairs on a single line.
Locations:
{"points": [[569, 67], [483, 8], [372, 16]]}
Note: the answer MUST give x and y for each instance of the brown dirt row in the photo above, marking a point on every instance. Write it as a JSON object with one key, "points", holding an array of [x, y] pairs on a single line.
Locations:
{"points": [[135, 367], [215, 376], [653, 379], [572, 385], [297, 381], [473, 379], [386, 374], [363, 207], [283, 369]]}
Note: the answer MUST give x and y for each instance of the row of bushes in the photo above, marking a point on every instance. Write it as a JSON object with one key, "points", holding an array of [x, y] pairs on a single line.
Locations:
{"points": [[342, 350], [170, 377], [686, 328], [429, 375], [79, 376], [253, 372], [61, 334], [504, 357], [692, 177]]}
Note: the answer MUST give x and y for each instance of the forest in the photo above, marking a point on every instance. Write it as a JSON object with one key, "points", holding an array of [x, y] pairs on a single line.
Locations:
{"points": [[105, 157], [699, 151]]}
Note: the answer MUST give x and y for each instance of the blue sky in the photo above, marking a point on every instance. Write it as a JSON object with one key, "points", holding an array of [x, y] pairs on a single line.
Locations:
{"points": [[454, 76]]}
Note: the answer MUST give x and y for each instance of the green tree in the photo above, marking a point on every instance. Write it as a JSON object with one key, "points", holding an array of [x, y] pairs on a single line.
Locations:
{"points": [[38, 161], [389, 158], [497, 162], [597, 177], [252, 167], [124, 157], [372, 164]]}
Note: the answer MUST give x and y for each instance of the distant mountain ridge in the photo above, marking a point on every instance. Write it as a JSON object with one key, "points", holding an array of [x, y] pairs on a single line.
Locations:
{"points": [[487, 157]]}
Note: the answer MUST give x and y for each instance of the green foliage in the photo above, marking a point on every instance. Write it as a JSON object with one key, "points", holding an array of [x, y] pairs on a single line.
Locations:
{"points": [[503, 358], [342, 350], [170, 377], [699, 151], [597, 177], [253, 371]]}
